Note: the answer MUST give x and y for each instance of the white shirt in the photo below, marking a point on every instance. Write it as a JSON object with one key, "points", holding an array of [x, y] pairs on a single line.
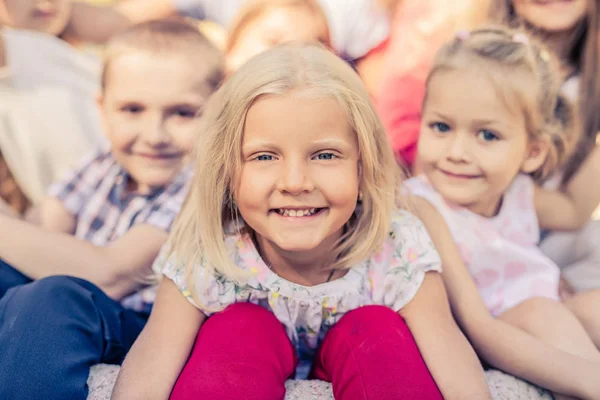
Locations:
{"points": [[48, 113]]}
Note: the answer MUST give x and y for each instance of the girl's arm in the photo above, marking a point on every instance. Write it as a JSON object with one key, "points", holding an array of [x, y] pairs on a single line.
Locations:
{"points": [[571, 207], [118, 269], [153, 364], [502, 345], [447, 353]]}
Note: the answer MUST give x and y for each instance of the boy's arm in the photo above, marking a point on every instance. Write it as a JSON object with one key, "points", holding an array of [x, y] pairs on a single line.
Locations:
{"points": [[160, 352], [571, 207], [447, 353], [54, 216], [118, 269], [97, 24], [502, 345]]}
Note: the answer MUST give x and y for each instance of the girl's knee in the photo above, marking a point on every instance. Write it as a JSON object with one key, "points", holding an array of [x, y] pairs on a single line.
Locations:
{"points": [[372, 316]]}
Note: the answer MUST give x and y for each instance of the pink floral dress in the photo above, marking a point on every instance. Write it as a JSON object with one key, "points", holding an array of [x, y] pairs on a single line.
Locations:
{"points": [[500, 252], [391, 277]]}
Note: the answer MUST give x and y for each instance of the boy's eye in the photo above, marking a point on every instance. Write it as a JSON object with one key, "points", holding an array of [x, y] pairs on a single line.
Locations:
{"points": [[187, 113], [325, 156], [440, 127], [487, 135], [132, 108]]}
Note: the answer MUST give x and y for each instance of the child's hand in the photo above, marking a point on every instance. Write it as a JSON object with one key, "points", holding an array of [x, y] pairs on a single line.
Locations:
{"points": [[565, 290]]}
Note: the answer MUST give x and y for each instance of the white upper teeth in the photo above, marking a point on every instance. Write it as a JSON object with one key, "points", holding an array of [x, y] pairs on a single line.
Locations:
{"points": [[297, 213]]}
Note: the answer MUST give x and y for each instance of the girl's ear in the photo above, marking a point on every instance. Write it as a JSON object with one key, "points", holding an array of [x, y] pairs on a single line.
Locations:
{"points": [[536, 156]]}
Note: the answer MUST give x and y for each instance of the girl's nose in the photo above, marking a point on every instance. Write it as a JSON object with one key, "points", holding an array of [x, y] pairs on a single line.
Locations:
{"points": [[295, 178]]}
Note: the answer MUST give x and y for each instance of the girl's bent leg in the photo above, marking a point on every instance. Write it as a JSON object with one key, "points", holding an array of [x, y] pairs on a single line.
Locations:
{"points": [[552, 322], [240, 353], [53, 330], [586, 307], [371, 354]]}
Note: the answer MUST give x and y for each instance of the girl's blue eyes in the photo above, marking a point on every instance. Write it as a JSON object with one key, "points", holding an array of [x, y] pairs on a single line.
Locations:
{"points": [[320, 156], [440, 127], [325, 156], [484, 134], [487, 135]]}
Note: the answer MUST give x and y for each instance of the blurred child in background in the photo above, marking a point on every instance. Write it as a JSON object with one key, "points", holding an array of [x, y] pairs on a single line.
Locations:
{"points": [[262, 24], [71, 290], [48, 92], [571, 30], [356, 26]]}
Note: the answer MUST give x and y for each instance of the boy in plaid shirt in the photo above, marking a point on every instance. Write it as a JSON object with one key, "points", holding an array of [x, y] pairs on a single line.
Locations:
{"points": [[71, 291]]}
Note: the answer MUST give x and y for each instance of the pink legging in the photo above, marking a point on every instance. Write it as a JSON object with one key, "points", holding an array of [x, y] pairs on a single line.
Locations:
{"points": [[244, 353]]}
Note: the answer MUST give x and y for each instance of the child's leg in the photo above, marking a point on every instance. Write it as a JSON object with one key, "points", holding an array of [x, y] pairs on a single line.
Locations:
{"points": [[53, 330], [586, 306], [10, 277], [577, 254], [240, 353], [553, 323], [371, 354]]}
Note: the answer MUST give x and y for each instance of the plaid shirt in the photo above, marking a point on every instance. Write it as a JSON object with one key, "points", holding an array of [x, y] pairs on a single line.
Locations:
{"points": [[96, 195]]}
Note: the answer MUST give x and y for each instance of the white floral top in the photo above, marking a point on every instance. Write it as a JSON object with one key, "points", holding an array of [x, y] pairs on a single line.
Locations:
{"points": [[391, 277]]}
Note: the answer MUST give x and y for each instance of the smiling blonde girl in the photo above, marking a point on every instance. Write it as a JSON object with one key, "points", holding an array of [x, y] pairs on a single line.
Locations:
{"points": [[291, 255]]}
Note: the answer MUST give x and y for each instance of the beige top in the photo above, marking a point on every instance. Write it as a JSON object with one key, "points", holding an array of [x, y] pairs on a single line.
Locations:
{"points": [[48, 113]]}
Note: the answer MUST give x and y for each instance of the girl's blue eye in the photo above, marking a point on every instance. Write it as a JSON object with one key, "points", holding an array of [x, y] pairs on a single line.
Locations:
{"points": [[325, 156], [264, 157], [440, 127], [488, 135]]}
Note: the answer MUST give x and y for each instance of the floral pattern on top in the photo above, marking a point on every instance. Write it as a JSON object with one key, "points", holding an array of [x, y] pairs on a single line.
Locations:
{"points": [[390, 277]]}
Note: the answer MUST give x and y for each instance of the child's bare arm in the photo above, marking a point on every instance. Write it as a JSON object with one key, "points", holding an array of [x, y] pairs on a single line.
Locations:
{"points": [[447, 353], [117, 269], [55, 217], [159, 354], [502, 345], [572, 207], [97, 24]]}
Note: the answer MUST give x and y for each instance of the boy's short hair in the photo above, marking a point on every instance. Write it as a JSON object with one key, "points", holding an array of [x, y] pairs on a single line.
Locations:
{"points": [[166, 36]]}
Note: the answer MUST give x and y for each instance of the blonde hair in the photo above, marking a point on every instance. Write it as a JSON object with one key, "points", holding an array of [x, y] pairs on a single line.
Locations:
{"points": [[168, 36], [209, 213], [585, 57], [255, 8], [526, 78]]}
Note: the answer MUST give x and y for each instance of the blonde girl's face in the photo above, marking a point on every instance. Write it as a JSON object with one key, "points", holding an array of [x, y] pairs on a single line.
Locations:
{"points": [[552, 15], [299, 180], [272, 27], [471, 146], [46, 16]]}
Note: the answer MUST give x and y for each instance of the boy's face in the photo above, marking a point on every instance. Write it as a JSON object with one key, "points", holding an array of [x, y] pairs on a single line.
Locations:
{"points": [[46, 16], [150, 108]]}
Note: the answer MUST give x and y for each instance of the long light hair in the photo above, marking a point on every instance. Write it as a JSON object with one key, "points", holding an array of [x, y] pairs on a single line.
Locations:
{"points": [[209, 212], [585, 56]]}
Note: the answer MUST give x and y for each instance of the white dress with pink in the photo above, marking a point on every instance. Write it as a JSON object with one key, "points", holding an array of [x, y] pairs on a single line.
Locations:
{"points": [[501, 252]]}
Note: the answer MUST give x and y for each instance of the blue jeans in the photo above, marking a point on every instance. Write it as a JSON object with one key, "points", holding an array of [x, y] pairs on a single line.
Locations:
{"points": [[53, 330]]}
